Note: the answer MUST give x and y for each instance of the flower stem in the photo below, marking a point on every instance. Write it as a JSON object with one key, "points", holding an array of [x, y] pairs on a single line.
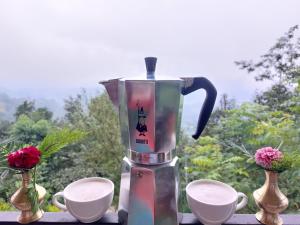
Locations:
{"points": [[34, 177], [7, 168], [32, 192]]}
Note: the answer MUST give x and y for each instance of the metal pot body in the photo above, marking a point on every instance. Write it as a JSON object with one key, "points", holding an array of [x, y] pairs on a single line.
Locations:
{"points": [[150, 117], [150, 112]]}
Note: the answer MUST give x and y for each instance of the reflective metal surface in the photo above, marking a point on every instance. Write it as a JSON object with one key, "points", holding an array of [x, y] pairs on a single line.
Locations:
{"points": [[149, 194], [123, 115], [112, 88], [141, 115], [150, 115], [153, 112], [270, 200], [151, 158], [150, 112]]}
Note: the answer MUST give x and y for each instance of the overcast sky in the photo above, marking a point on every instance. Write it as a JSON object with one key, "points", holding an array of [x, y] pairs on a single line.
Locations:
{"points": [[50, 47]]}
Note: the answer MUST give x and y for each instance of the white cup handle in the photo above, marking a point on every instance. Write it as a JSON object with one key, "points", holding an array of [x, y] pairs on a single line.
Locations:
{"points": [[58, 204], [244, 201]]}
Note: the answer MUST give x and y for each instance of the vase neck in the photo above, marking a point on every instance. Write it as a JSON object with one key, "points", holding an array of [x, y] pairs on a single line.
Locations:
{"points": [[271, 178], [25, 178]]}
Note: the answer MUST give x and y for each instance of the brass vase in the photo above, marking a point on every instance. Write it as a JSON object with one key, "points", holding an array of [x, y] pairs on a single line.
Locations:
{"points": [[270, 200], [21, 201]]}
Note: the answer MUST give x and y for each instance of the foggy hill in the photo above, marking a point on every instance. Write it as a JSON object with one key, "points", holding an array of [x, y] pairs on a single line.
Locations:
{"points": [[9, 104]]}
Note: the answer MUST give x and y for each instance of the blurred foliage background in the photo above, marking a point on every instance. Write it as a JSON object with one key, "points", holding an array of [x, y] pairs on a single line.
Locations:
{"points": [[271, 119]]}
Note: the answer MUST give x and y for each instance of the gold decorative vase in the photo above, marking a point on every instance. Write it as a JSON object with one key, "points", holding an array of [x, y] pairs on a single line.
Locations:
{"points": [[21, 201], [270, 200]]}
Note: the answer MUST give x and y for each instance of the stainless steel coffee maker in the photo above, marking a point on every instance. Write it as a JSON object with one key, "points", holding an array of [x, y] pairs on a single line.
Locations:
{"points": [[150, 115]]}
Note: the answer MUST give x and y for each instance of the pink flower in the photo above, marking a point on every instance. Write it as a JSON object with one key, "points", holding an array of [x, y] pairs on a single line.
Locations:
{"points": [[265, 156]]}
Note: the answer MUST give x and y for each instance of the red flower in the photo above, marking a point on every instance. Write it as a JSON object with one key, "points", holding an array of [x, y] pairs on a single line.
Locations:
{"points": [[25, 158]]}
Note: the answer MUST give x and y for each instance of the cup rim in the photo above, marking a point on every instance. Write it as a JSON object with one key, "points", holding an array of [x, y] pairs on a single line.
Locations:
{"points": [[214, 182], [88, 179]]}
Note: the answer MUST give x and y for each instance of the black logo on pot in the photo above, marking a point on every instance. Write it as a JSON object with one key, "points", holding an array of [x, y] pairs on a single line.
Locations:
{"points": [[141, 124]]}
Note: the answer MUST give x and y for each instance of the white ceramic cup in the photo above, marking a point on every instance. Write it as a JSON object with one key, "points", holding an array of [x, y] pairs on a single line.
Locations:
{"points": [[83, 205], [214, 213]]}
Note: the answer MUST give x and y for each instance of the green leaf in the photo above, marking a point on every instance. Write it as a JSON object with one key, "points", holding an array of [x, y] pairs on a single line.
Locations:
{"points": [[59, 139], [32, 195], [284, 164]]}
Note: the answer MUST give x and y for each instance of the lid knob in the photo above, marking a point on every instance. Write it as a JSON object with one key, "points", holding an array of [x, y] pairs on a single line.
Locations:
{"points": [[150, 66]]}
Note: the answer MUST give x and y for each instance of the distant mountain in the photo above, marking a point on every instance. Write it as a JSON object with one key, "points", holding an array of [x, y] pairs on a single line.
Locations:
{"points": [[52, 98], [54, 101], [9, 104]]}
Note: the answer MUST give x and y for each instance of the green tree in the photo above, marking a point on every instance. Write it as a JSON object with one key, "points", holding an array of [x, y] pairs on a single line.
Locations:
{"points": [[223, 156], [42, 113], [26, 108], [25, 130], [74, 107], [275, 97], [251, 127], [294, 102], [100, 154], [280, 62], [206, 158], [4, 129], [280, 65], [225, 103]]}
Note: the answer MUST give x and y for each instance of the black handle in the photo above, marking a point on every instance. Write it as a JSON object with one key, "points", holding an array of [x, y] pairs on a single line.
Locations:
{"points": [[193, 84]]}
